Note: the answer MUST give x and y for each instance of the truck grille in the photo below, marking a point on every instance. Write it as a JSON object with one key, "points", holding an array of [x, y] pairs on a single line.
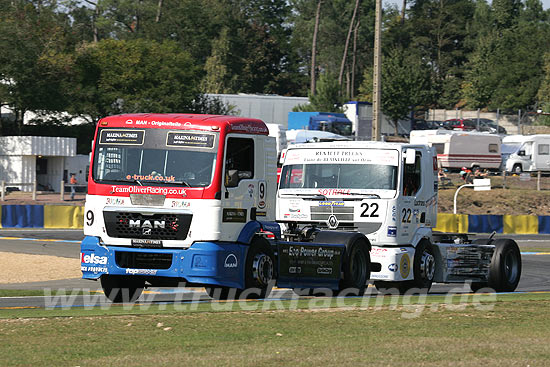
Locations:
{"points": [[143, 260], [161, 226], [342, 213]]}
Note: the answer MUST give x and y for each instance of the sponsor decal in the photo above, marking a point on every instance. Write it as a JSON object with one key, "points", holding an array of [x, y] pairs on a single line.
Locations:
{"points": [[294, 270], [261, 204], [147, 243], [331, 203], [251, 190], [155, 177], [404, 265], [394, 213], [230, 261], [342, 156], [310, 251], [122, 136], [94, 269], [392, 231], [234, 215], [325, 271], [261, 214], [326, 192], [141, 271], [180, 204], [186, 139], [93, 259], [114, 201], [147, 190], [294, 210], [129, 122], [392, 267]]}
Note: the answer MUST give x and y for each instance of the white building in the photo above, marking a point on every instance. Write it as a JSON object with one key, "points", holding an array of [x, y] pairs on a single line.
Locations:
{"points": [[44, 159]]}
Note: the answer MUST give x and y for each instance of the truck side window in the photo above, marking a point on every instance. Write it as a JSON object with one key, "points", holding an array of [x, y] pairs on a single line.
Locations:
{"points": [[544, 149], [239, 160], [412, 177]]}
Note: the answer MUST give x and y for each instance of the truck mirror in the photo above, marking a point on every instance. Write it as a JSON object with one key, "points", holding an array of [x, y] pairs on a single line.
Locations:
{"points": [[410, 156], [521, 153], [232, 178]]}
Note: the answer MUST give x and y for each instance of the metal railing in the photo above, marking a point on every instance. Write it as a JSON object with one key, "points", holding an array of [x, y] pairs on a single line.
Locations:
{"points": [[3, 188]]}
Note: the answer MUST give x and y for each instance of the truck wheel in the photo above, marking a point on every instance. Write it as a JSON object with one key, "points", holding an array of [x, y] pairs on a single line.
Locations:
{"points": [[517, 169], [356, 267], [260, 271], [423, 270], [259, 274], [119, 288], [505, 269]]}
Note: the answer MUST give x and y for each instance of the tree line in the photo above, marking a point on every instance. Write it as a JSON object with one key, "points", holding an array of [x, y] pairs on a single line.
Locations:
{"points": [[92, 58]]}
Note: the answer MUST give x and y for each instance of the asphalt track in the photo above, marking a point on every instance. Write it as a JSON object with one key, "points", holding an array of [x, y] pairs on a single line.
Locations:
{"points": [[66, 243]]}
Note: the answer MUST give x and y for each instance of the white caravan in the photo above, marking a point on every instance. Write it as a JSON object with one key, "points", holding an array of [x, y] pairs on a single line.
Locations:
{"points": [[527, 153], [457, 149]]}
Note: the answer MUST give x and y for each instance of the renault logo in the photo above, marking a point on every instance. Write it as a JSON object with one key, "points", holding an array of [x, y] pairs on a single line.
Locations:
{"points": [[332, 222]]}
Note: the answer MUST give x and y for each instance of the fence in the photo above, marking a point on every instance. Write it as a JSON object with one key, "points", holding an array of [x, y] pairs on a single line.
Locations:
{"points": [[526, 181], [5, 188]]}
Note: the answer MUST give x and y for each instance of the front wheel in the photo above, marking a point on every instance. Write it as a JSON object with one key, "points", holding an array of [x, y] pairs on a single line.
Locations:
{"points": [[119, 288], [517, 169]]}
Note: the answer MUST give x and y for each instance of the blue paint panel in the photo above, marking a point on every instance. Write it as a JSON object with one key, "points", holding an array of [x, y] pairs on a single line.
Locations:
{"points": [[23, 216], [485, 223], [544, 224]]}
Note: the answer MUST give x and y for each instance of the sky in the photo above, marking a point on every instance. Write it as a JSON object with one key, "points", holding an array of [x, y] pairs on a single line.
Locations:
{"points": [[545, 3]]}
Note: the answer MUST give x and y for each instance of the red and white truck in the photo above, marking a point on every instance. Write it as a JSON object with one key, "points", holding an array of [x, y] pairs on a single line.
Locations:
{"points": [[181, 198], [388, 191]]}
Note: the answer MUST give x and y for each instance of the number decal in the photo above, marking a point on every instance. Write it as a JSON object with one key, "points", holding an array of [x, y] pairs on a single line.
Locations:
{"points": [[89, 218], [374, 212], [407, 212], [261, 189]]}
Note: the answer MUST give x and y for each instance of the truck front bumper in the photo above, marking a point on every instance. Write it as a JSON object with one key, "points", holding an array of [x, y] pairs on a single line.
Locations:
{"points": [[207, 263]]}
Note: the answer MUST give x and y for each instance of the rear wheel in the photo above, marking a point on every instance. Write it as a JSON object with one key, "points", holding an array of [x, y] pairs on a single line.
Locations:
{"points": [[505, 268], [356, 269], [119, 288]]}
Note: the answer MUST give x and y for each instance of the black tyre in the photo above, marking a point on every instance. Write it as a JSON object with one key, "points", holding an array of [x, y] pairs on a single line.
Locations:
{"points": [[517, 169], [259, 274], [505, 270], [122, 289], [356, 268], [423, 270], [355, 263]]}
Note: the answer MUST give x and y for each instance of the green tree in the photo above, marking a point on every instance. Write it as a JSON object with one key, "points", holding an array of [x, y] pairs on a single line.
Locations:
{"points": [[29, 34], [111, 77]]}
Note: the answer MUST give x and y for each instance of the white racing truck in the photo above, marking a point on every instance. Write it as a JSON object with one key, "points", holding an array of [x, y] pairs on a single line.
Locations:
{"points": [[388, 191], [190, 199]]}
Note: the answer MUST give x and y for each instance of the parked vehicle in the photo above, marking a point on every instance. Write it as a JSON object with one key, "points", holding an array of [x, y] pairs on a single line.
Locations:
{"points": [[490, 126], [459, 124], [527, 153], [456, 149]]}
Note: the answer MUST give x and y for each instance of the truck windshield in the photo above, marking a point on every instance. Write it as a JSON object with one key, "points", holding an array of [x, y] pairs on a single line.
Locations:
{"points": [[339, 176], [154, 156]]}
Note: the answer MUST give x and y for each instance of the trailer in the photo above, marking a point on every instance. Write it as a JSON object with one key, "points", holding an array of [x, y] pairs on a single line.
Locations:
{"points": [[180, 199], [388, 192], [457, 149]]}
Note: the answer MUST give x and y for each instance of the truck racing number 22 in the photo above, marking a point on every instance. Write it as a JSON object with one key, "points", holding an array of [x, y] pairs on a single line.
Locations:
{"points": [[373, 213]]}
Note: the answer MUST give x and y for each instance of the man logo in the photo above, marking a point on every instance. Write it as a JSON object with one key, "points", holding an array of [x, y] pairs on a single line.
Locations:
{"points": [[230, 261]]}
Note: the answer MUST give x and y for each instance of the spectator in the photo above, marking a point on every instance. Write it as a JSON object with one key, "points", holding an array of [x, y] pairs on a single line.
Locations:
{"points": [[73, 182]]}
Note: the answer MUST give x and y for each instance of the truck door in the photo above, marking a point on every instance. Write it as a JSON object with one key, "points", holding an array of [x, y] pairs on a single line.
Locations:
{"points": [[240, 186], [542, 156]]}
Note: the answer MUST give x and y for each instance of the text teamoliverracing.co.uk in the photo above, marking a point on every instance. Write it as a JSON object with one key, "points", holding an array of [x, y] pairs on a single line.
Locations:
{"points": [[147, 190]]}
